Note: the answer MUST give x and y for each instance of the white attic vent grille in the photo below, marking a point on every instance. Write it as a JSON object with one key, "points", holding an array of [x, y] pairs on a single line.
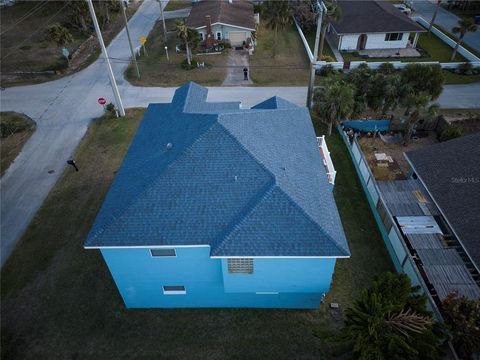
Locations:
{"points": [[240, 266]]}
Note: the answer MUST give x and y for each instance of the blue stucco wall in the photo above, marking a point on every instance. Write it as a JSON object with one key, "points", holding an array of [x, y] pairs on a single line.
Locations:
{"points": [[140, 277]]}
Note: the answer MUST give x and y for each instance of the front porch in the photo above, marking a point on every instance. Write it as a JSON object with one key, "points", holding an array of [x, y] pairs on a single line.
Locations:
{"points": [[390, 53]]}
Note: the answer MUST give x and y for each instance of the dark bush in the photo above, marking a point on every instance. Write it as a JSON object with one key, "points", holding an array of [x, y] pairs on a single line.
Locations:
{"points": [[386, 68], [465, 68], [326, 70], [452, 132], [110, 110], [186, 66]]}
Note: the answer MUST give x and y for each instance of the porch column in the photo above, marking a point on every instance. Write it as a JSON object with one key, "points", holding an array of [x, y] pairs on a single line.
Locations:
{"points": [[415, 40]]}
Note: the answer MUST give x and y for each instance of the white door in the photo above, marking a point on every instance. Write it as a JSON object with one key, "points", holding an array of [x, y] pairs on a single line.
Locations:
{"points": [[237, 38]]}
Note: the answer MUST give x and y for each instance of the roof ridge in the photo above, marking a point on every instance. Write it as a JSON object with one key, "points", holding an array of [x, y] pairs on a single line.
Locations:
{"points": [[116, 217], [224, 236], [294, 203]]}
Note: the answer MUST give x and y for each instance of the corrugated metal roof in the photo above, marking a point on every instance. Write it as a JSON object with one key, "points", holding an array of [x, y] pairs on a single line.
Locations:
{"points": [[245, 182]]}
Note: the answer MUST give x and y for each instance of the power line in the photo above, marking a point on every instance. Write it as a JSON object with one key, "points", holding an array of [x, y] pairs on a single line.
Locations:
{"points": [[286, 66], [29, 13], [36, 31]]}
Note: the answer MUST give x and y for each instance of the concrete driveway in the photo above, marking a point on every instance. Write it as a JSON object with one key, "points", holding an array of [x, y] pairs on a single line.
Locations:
{"points": [[237, 61], [64, 108]]}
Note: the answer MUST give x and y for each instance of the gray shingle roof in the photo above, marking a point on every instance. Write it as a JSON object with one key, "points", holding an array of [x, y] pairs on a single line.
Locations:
{"points": [[246, 182], [238, 13], [360, 17], [451, 173]]}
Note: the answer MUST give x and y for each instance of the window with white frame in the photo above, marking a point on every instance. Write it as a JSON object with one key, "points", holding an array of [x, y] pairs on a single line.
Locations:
{"points": [[174, 290], [393, 36], [201, 36], [240, 266], [219, 35], [163, 252]]}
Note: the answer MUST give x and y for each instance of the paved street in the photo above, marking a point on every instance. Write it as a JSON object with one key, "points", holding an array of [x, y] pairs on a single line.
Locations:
{"points": [[64, 108], [445, 19]]}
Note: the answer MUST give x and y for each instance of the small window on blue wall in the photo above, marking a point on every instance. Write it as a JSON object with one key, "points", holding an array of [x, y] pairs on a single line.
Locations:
{"points": [[174, 290], [163, 252]]}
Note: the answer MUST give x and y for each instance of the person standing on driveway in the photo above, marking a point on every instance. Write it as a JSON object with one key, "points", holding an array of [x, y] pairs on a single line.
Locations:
{"points": [[245, 74]]}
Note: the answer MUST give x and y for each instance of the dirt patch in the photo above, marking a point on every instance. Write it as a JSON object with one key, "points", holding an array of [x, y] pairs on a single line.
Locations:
{"points": [[397, 169]]}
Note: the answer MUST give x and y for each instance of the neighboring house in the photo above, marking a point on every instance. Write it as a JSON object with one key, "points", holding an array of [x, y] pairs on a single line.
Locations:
{"points": [[229, 21], [366, 25], [450, 173], [217, 206]]}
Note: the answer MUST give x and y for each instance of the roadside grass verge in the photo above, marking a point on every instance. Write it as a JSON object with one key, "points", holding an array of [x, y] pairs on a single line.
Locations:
{"points": [[59, 300], [452, 78], [16, 129], [177, 5], [436, 48], [156, 70], [290, 66]]}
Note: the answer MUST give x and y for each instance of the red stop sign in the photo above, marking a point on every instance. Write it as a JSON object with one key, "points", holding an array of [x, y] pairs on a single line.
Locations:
{"points": [[102, 101]]}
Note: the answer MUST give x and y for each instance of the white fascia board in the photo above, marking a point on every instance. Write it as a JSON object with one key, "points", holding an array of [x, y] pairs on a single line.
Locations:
{"points": [[146, 247]]}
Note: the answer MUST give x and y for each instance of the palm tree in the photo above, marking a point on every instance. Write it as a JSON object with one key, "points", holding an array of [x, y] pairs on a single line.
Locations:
{"points": [[333, 102], [464, 26], [419, 108], [389, 321], [434, 15], [278, 15], [183, 33], [333, 13]]}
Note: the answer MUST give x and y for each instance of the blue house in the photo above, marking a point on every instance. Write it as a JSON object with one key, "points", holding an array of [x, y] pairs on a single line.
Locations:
{"points": [[218, 206]]}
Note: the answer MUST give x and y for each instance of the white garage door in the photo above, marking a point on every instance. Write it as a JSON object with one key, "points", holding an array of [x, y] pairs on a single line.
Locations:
{"points": [[237, 38]]}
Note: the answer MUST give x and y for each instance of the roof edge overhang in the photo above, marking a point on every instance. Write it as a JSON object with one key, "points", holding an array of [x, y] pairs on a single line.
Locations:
{"points": [[380, 32], [217, 257], [441, 212], [220, 23]]}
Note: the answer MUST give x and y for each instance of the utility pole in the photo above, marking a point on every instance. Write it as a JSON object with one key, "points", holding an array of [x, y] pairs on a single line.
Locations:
{"points": [[116, 93], [163, 19], [124, 5], [311, 82]]}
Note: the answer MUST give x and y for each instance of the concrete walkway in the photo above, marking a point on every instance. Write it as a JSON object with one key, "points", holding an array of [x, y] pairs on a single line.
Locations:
{"points": [[64, 108], [237, 61], [446, 20]]}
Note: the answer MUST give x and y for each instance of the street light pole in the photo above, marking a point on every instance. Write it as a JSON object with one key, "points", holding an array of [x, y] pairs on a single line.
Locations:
{"points": [[163, 19], [116, 93], [311, 82], [124, 4]]}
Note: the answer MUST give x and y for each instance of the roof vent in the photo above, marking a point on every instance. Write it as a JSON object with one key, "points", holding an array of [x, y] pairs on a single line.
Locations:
{"points": [[169, 146]]}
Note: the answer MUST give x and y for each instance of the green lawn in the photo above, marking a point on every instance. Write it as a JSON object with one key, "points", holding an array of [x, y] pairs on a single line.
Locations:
{"points": [[59, 300], [436, 48], [16, 130], [452, 78], [177, 5], [290, 66], [310, 36], [155, 70]]}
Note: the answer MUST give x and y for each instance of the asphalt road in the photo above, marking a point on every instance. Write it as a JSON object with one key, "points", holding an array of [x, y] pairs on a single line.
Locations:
{"points": [[64, 108]]}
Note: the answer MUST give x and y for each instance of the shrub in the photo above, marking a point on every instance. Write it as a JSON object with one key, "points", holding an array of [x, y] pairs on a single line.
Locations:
{"points": [[465, 68], [327, 58], [110, 110], [326, 70], [452, 132], [386, 68], [186, 66]]}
